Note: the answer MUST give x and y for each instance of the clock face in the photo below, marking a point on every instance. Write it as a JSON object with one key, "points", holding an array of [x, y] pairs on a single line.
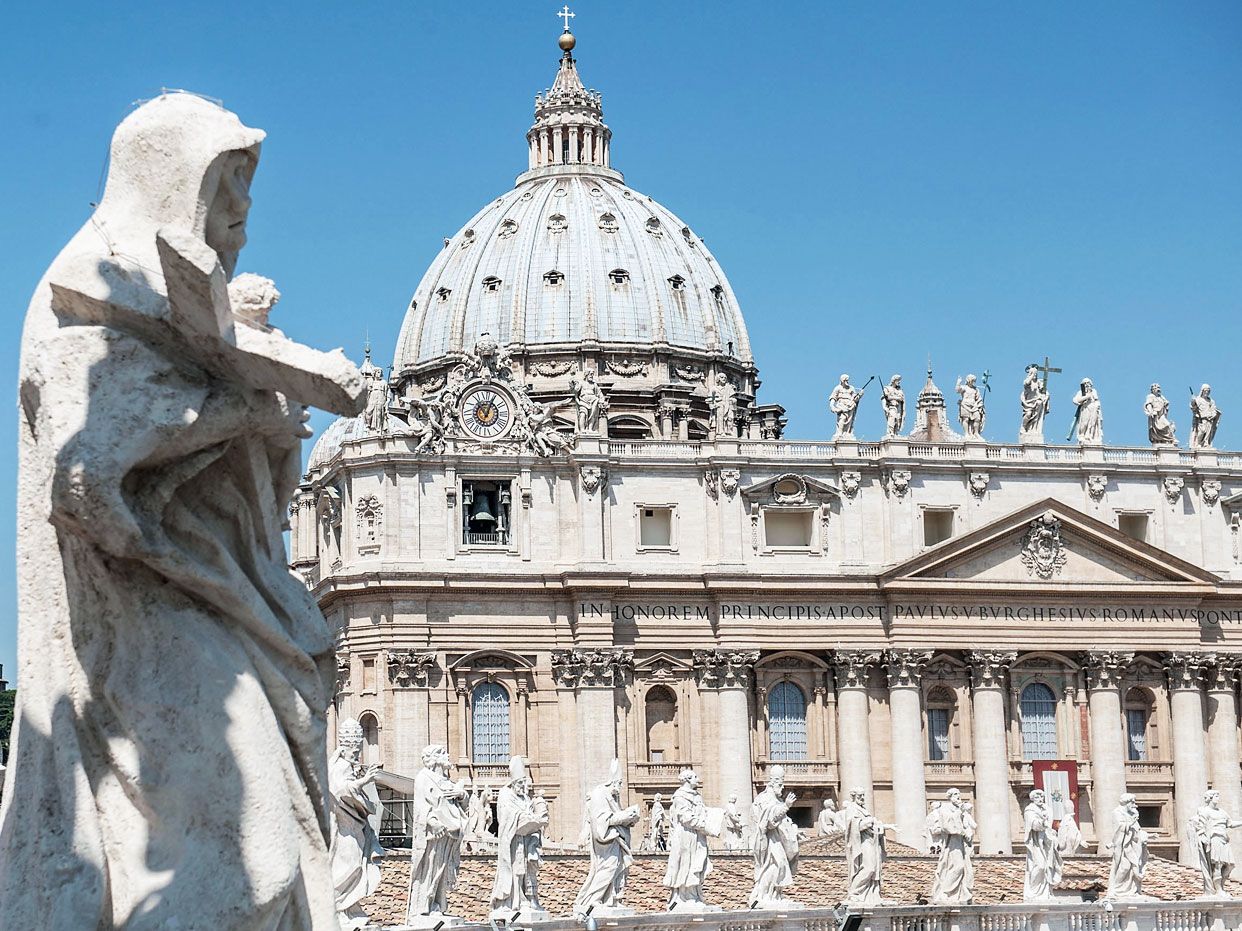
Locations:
{"points": [[486, 413]]}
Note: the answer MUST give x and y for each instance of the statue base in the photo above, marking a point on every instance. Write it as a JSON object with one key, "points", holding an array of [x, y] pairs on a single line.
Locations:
{"points": [[523, 919], [694, 908], [609, 911], [432, 922], [779, 905]]}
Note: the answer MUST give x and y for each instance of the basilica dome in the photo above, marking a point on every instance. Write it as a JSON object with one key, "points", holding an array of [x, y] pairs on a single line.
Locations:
{"points": [[571, 258]]}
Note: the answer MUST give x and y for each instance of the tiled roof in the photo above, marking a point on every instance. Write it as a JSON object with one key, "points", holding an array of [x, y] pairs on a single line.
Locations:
{"points": [[821, 882]]}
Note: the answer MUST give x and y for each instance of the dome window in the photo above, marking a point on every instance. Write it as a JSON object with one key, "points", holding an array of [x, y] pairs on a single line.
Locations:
{"points": [[688, 236], [677, 283], [608, 223], [718, 297], [442, 294], [557, 223], [491, 283], [507, 229], [467, 238], [654, 228], [554, 279], [619, 277]]}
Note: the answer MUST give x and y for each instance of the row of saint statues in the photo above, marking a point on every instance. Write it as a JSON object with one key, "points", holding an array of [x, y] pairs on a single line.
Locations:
{"points": [[448, 820], [1087, 426]]}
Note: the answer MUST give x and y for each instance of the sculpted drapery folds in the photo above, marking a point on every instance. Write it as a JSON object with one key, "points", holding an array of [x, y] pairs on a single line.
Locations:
{"points": [[171, 738], [865, 851], [970, 406], [843, 402], [774, 844], [1035, 406], [356, 814], [439, 820], [691, 822], [1129, 851], [893, 402], [1043, 855], [952, 830], [1210, 827], [1204, 418], [1089, 417], [609, 825], [1160, 430], [520, 820]]}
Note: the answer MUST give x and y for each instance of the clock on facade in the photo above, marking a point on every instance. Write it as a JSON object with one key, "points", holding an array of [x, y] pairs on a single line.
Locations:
{"points": [[486, 412]]}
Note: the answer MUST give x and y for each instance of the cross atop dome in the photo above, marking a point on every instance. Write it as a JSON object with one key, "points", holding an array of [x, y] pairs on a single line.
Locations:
{"points": [[569, 119]]}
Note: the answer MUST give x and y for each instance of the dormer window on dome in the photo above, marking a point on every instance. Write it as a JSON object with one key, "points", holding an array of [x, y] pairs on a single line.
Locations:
{"points": [[491, 283], [507, 229], [677, 283], [557, 223], [619, 277], [554, 279], [654, 228], [442, 294], [608, 223], [467, 238]]}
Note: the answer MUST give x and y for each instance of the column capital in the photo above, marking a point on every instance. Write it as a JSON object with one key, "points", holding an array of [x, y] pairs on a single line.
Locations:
{"points": [[725, 668], [1223, 674], [988, 668], [905, 667], [1106, 667], [408, 668], [851, 667], [610, 667], [1188, 669]]}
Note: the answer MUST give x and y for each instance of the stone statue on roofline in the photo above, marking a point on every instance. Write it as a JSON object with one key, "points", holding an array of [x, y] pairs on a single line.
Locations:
{"points": [[1129, 851], [951, 828], [691, 823], [1035, 406], [1210, 828], [1205, 418], [774, 844], [893, 403], [1043, 854], [1160, 430], [356, 815], [970, 407], [865, 850], [843, 402], [174, 672], [590, 402], [1088, 417], [520, 822], [609, 826], [439, 818]]}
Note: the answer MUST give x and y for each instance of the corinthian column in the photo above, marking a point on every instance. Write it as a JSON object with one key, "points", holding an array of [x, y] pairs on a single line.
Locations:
{"points": [[1222, 715], [594, 675], [1108, 760], [1186, 672], [905, 703], [729, 674], [988, 669], [854, 742]]}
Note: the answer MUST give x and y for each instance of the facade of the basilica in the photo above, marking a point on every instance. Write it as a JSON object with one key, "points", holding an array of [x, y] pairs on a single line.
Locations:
{"points": [[565, 529]]}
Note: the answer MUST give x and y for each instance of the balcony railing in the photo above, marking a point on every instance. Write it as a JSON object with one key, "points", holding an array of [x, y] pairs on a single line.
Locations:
{"points": [[799, 772], [1149, 771], [949, 770], [662, 773]]}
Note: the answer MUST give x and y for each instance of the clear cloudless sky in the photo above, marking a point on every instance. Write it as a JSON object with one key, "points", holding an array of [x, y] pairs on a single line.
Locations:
{"points": [[984, 182]]}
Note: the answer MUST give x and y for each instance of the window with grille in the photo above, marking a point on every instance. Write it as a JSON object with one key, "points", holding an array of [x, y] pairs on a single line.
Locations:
{"points": [[937, 733], [1136, 728], [1039, 722], [553, 279], [619, 277], [787, 722], [490, 723]]}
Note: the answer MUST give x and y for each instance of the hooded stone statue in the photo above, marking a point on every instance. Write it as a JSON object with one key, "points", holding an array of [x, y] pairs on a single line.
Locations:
{"points": [[168, 765]]}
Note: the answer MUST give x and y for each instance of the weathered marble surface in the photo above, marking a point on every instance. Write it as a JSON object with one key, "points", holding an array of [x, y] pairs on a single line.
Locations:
{"points": [[952, 830], [1043, 855], [169, 761], [1210, 827], [356, 815], [1129, 851], [609, 826], [775, 844]]}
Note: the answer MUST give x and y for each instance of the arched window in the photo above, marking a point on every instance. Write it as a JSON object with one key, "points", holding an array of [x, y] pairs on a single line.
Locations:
{"points": [[629, 428], [940, 708], [489, 723], [370, 739], [1138, 725], [1039, 722], [661, 715], [786, 722]]}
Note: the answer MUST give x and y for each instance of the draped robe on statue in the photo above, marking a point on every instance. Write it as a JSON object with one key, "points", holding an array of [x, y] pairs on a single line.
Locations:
{"points": [[954, 835], [1043, 856], [168, 766], [517, 833], [688, 862], [864, 854], [1129, 847], [775, 848], [610, 852], [436, 851], [355, 850]]}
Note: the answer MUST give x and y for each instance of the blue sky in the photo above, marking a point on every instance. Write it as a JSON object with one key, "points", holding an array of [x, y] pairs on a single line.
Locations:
{"points": [[983, 182]]}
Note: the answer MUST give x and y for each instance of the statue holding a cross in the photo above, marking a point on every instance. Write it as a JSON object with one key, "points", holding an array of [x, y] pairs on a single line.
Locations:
{"points": [[1035, 403]]}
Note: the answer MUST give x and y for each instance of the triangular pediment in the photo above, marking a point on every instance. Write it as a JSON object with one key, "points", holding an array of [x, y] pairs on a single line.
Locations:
{"points": [[1052, 543]]}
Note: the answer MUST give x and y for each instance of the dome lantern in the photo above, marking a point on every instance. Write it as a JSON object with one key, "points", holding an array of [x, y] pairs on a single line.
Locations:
{"points": [[569, 126]]}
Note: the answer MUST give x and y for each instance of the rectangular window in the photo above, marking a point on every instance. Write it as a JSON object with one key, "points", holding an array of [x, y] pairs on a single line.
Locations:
{"points": [[655, 528], [1149, 815], [937, 525], [1136, 728], [937, 733], [656, 756], [485, 512], [787, 529], [1133, 526], [368, 675]]}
